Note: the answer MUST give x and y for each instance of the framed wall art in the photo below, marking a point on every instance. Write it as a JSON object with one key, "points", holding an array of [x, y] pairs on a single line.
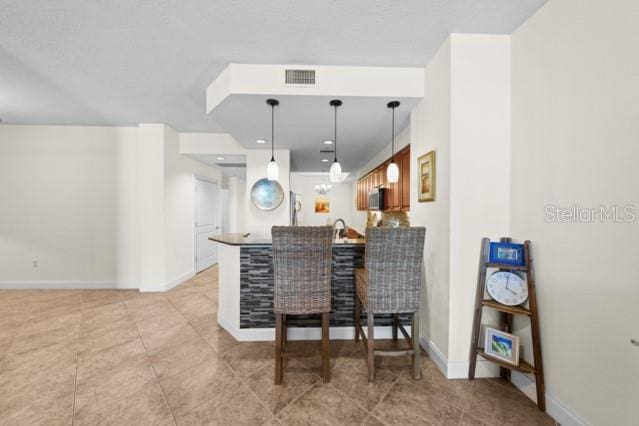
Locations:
{"points": [[502, 345], [426, 176], [322, 205]]}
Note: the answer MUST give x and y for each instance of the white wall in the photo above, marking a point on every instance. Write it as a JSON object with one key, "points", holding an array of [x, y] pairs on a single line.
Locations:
{"points": [[209, 143], [430, 129], [259, 222], [95, 206], [341, 197], [151, 231], [465, 118], [479, 171], [179, 203], [575, 127], [67, 198], [237, 194]]}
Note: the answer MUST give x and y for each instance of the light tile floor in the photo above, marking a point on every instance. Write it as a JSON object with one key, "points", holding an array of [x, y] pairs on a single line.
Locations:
{"points": [[124, 357]]}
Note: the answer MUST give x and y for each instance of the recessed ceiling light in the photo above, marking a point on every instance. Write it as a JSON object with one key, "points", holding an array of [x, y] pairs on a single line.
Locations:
{"points": [[261, 141], [324, 160], [220, 158], [328, 142]]}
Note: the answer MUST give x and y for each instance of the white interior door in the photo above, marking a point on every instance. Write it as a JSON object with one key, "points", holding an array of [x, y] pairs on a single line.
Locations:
{"points": [[207, 223]]}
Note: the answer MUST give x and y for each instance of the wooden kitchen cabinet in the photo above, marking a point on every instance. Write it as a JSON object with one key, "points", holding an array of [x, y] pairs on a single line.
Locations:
{"points": [[397, 194], [381, 176], [404, 180]]}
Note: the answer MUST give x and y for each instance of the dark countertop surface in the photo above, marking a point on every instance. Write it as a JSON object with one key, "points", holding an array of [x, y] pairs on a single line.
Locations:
{"points": [[239, 240]]}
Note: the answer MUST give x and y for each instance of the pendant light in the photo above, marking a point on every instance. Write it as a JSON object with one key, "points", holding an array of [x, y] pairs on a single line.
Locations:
{"points": [[392, 172], [336, 170], [272, 170]]}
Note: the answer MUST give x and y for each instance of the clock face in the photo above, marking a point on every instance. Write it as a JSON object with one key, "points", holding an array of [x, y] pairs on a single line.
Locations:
{"points": [[507, 288]]}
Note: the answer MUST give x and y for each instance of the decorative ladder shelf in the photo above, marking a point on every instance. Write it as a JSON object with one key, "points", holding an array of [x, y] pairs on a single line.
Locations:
{"points": [[506, 320]]}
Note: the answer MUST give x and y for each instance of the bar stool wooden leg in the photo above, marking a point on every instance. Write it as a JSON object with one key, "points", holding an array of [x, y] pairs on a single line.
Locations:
{"points": [[357, 317], [371, 348], [326, 359], [284, 332], [395, 325], [278, 349], [417, 370]]}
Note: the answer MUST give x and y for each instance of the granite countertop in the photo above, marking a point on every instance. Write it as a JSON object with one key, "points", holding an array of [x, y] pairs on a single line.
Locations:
{"points": [[240, 240]]}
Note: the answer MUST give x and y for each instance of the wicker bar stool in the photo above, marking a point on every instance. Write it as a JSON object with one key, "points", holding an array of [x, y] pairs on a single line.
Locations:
{"points": [[390, 284], [302, 257]]}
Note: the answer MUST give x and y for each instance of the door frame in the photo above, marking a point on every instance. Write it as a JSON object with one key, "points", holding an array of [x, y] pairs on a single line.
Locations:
{"points": [[196, 177]]}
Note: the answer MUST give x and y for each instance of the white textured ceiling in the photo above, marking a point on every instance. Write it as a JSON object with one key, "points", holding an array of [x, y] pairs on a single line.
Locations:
{"points": [[303, 123], [90, 62]]}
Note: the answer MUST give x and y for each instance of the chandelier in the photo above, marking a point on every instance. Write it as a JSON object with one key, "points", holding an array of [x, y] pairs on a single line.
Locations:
{"points": [[323, 188]]}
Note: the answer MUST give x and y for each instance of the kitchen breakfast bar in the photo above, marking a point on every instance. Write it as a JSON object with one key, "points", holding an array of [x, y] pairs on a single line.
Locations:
{"points": [[246, 291]]}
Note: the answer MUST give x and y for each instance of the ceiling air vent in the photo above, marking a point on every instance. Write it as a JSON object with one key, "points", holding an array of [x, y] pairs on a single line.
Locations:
{"points": [[306, 77], [241, 165]]}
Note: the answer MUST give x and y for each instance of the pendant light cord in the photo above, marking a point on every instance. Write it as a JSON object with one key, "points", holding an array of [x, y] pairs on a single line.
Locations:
{"points": [[335, 135], [272, 132], [393, 138]]}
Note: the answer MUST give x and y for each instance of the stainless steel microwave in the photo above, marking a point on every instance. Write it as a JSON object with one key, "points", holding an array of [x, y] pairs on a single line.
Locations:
{"points": [[376, 199]]}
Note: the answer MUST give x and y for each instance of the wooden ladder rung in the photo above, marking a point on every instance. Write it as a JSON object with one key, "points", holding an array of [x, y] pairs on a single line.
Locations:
{"points": [[517, 310], [523, 366], [506, 266]]}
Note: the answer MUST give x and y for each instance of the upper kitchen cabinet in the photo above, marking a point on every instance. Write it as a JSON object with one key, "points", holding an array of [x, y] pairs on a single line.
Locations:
{"points": [[404, 180], [397, 194]]}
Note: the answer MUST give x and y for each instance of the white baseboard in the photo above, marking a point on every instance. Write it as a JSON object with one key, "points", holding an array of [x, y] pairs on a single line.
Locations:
{"points": [[179, 280], [59, 285], [298, 333], [435, 354], [457, 370], [555, 408], [82, 285], [484, 369]]}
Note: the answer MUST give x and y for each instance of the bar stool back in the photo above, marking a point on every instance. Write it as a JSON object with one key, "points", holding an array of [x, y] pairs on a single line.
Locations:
{"points": [[302, 258], [390, 284]]}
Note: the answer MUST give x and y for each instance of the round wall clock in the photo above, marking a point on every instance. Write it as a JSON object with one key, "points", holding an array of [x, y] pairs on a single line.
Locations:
{"points": [[507, 288]]}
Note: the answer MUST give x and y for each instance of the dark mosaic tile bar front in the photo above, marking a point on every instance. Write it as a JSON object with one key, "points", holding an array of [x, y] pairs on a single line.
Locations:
{"points": [[256, 289]]}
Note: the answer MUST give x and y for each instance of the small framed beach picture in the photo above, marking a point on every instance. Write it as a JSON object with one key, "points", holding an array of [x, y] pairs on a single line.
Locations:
{"points": [[426, 176], [501, 345]]}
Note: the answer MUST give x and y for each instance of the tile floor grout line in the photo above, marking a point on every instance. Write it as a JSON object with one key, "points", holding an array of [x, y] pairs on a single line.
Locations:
{"points": [[239, 379], [234, 372], [443, 400], [13, 339], [297, 398], [309, 387], [319, 383], [219, 354], [268, 410], [384, 396], [194, 329], [352, 399], [77, 360], [148, 358]]}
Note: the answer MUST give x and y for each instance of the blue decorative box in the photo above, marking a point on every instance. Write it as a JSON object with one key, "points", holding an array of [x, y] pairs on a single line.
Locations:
{"points": [[507, 253]]}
